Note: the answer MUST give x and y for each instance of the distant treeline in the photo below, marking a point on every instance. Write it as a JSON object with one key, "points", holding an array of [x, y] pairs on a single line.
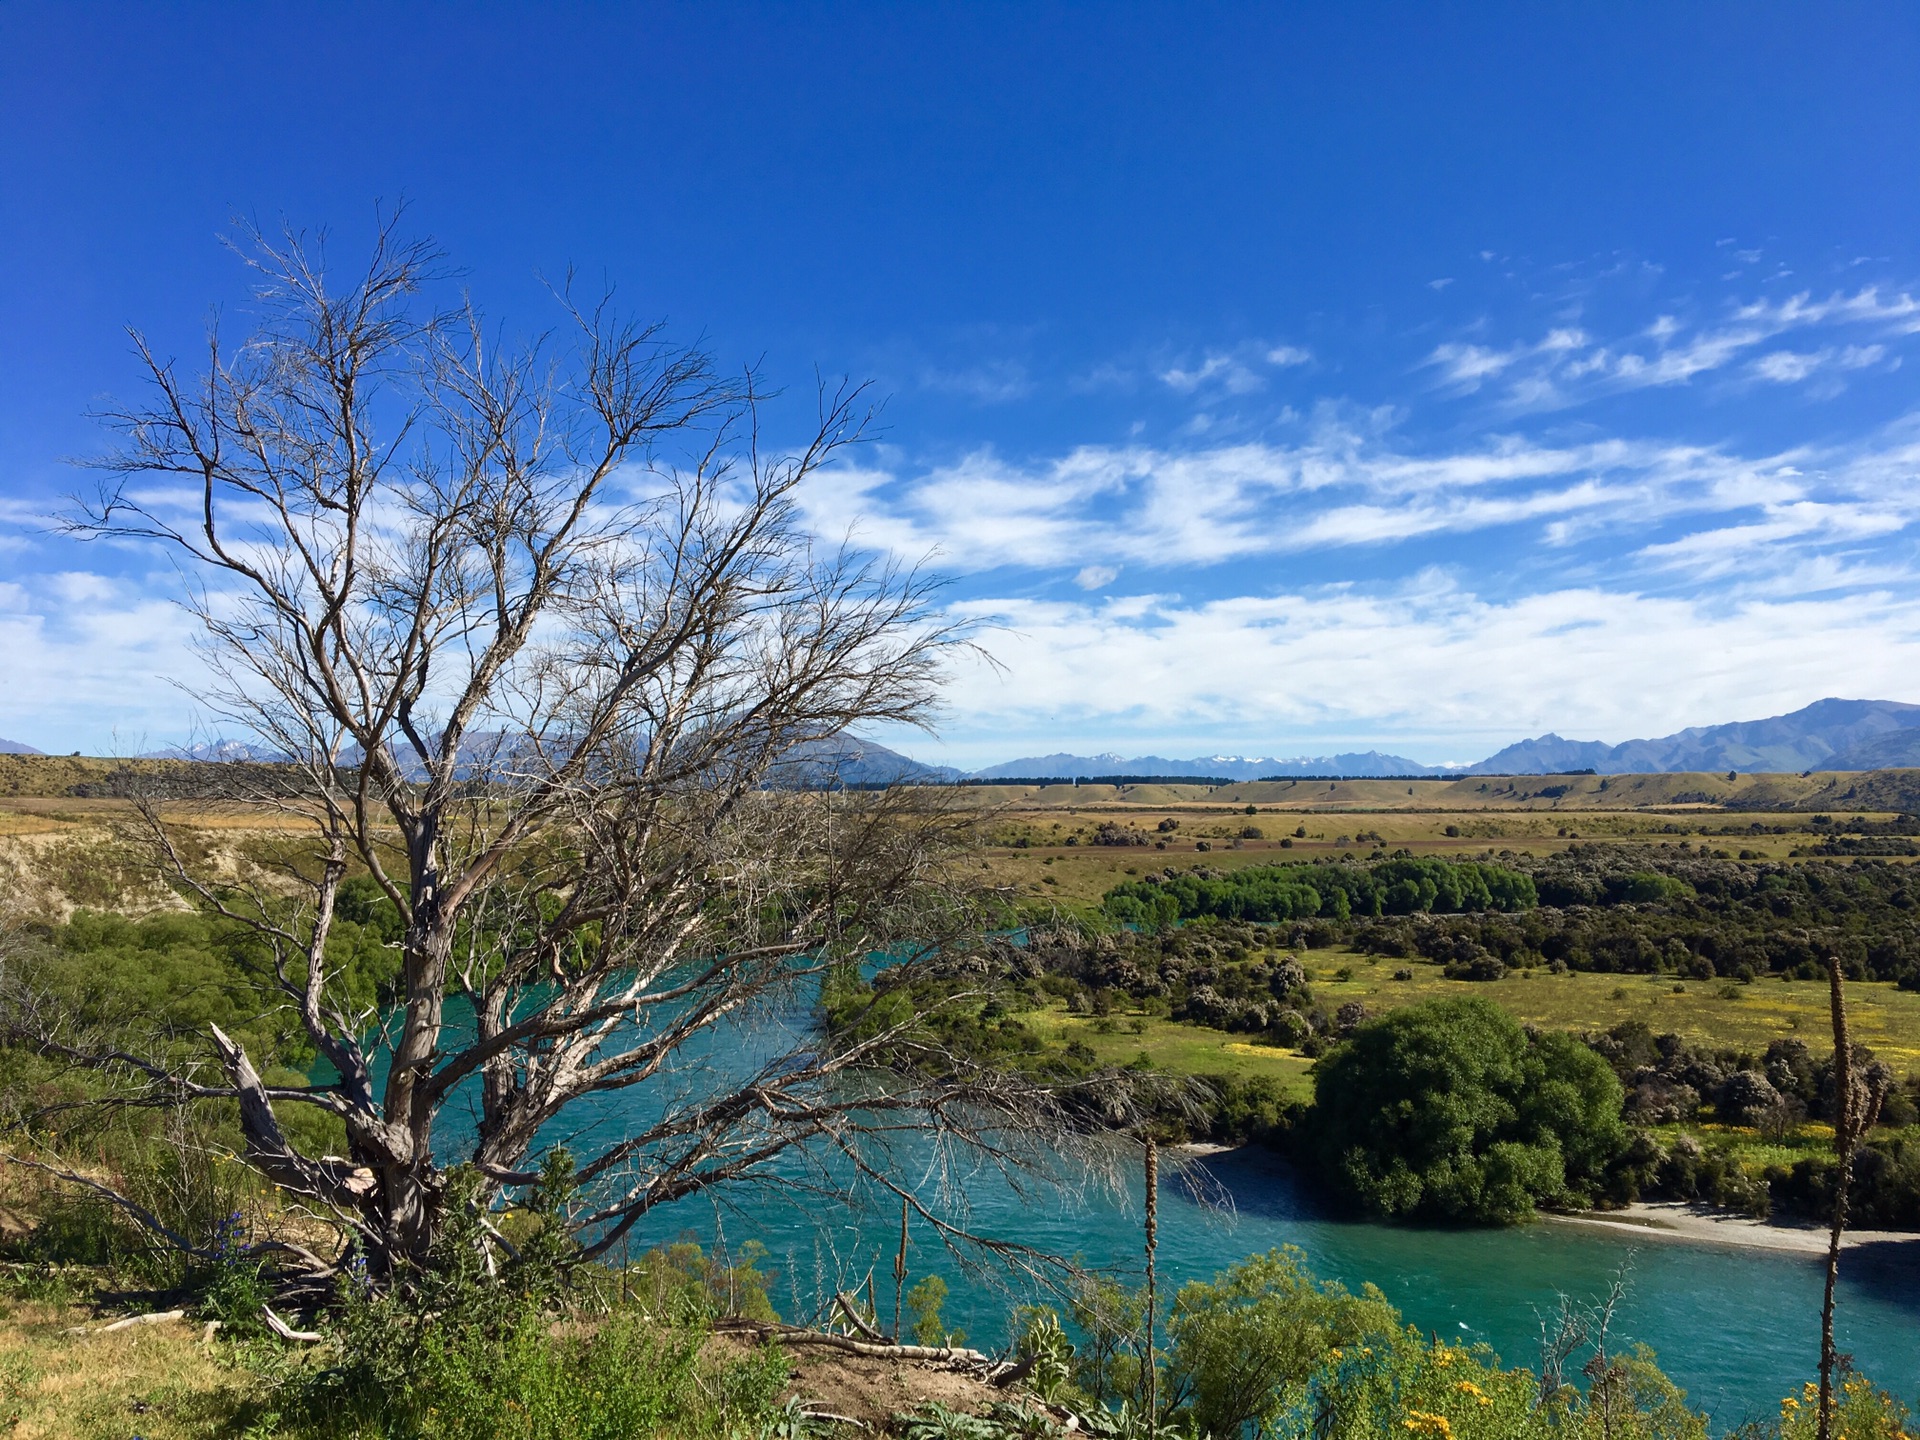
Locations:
{"points": [[1217, 780], [1270, 893], [1275, 779], [1651, 910], [1430, 775], [1626, 908]]}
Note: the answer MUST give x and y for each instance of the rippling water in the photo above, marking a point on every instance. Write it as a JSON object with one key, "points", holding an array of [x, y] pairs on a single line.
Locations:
{"points": [[1736, 1328]]}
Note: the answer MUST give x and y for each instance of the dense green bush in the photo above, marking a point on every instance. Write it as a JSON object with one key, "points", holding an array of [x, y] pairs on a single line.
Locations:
{"points": [[1243, 1344], [1862, 1411], [1884, 1195], [1265, 1351], [155, 985], [1658, 909], [1450, 1110], [612, 1378]]}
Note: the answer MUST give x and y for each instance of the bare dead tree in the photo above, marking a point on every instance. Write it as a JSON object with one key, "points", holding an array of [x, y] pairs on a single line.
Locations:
{"points": [[1152, 1299], [531, 632], [1856, 1108]]}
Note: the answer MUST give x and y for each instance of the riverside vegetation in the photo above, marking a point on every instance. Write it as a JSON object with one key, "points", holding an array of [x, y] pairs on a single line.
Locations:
{"points": [[1445, 1107], [1430, 1101], [684, 1343]]}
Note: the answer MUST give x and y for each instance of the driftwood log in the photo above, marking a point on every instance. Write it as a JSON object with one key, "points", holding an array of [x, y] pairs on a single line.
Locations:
{"points": [[958, 1357], [157, 1317]]}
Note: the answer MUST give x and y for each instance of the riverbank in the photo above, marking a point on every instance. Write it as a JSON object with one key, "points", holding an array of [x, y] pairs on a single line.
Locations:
{"points": [[1702, 1224]]}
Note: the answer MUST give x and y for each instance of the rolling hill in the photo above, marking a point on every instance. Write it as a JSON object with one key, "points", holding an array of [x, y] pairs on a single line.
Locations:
{"points": [[1826, 735]]}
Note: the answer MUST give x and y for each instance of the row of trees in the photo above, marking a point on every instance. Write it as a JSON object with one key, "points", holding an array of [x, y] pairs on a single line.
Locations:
{"points": [[1271, 893]]}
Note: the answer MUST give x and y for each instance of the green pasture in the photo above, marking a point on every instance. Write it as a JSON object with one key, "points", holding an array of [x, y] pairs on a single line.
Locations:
{"points": [[1715, 1013]]}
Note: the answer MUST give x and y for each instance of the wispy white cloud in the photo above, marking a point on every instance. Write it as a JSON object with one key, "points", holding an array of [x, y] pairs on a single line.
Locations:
{"points": [[1344, 485], [1789, 367], [993, 383], [89, 655], [1568, 364], [1231, 374], [1467, 367], [1424, 657], [1234, 371]]}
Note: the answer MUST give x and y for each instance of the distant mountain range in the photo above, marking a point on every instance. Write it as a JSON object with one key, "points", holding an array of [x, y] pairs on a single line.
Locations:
{"points": [[853, 761], [1826, 735], [217, 752], [1223, 767]]}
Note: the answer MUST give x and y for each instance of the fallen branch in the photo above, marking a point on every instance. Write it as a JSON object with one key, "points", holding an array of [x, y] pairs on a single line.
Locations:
{"points": [[1004, 1375], [834, 1418], [937, 1354], [157, 1317], [853, 1318], [286, 1331]]}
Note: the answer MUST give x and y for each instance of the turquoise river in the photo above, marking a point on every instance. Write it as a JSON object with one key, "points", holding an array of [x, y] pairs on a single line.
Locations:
{"points": [[1736, 1327]]}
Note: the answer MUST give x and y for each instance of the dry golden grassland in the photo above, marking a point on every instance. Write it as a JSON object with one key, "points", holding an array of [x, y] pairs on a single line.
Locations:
{"points": [[1081, 873], [1028, 828]]}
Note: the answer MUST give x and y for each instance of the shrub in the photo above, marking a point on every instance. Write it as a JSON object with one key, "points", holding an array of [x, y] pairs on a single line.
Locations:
{"points": [[1437, 1391], [622, 1377], [925, 1300], [1861, 1411], [1244, 1344], [1305, 891], [1744, 1097], [462, 1353], [1449, 1109]]}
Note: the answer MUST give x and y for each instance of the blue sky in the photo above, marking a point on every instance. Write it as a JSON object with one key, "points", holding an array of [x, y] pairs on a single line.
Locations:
{"points": [[1272, 379]]}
